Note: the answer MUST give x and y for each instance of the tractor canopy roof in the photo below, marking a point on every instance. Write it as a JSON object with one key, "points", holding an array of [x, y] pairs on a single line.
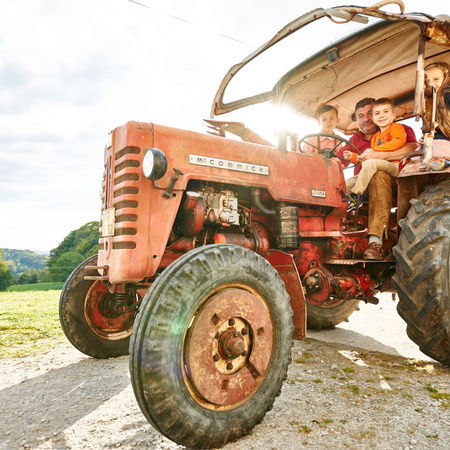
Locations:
{"points": [[385, 59]]}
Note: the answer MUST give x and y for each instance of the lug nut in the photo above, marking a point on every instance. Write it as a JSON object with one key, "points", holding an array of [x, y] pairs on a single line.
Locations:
{"points": [[217, 336], [229, 366], [216, 357], [231, 322], [244, 353], [244, 331]]}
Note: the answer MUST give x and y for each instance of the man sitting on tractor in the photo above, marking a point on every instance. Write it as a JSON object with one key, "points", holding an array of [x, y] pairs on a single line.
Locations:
{"points": [[381, 186]]}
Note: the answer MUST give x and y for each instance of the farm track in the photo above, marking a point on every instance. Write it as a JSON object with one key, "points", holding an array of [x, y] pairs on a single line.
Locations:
{"points": [[62, 399], [337, 395]]}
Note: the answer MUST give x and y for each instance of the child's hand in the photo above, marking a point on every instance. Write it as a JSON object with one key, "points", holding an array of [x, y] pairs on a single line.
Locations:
{"points": [[420, 141], [347, 155]]}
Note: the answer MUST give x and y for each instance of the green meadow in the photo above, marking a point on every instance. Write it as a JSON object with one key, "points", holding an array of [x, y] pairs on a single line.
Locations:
{"points": [[29, 321]]}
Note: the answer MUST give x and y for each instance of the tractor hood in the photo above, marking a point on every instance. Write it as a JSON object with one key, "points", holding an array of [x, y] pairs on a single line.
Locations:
{"points": [[385, 59]]}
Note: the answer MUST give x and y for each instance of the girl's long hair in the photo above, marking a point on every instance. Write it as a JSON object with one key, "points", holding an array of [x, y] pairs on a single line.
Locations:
{"points": [[442, 110]]}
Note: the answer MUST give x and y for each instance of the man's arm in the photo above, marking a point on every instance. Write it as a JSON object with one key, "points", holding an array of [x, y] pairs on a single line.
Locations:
{"points": [[237, 128], [395, 155], [348, 153]]}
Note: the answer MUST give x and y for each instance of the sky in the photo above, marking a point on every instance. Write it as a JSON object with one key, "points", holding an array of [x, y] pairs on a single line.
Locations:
{"points": [[71, 71]]}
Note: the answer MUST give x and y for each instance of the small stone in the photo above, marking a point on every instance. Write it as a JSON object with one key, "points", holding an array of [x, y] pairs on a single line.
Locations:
{"points": [[333, 366], [413, 442]]}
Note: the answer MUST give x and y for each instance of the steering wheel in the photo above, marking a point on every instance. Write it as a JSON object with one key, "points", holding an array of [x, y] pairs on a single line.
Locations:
{"points": [[330, 152]]}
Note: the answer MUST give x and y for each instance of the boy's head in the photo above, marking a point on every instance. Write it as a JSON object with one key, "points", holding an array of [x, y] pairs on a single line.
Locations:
{"points": [[327, 117], [383, 112], [436, 74]]}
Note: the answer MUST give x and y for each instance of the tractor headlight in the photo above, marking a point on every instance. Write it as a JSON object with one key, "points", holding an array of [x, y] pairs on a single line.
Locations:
{"points": [[154, 164]]}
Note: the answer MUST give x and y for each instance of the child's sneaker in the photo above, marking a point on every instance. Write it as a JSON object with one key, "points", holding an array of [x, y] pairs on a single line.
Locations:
{"points": [[353, 200]]}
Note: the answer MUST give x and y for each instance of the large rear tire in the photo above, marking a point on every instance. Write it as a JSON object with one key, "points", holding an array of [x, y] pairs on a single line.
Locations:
{"points": [[84, 319], [211, 345], [320, 318], [422, 277]]}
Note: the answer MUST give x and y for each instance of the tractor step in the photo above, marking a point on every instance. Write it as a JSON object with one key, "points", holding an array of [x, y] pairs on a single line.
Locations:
{"points": [[352, 262]]}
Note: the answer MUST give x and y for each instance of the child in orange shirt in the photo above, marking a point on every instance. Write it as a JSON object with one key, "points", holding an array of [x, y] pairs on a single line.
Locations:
{"points": [[391, 137]]}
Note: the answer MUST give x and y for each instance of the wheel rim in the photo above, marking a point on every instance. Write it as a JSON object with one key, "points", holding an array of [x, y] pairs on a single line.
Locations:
{"points": [[108, 326], [228, 347]]}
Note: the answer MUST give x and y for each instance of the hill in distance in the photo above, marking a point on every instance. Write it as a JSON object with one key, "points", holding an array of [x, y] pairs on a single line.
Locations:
{"points": [[19, 261]]}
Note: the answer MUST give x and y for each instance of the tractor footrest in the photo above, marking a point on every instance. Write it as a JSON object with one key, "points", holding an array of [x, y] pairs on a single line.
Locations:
{"points": [[95, 278], [352, 262]]}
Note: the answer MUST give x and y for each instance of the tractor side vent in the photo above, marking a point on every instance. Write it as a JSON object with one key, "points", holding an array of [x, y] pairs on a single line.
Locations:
{"points": [[127, 151], [125, 164], [126, 218], [124, 245], [125, 197], [125, 190], [127, 177]]}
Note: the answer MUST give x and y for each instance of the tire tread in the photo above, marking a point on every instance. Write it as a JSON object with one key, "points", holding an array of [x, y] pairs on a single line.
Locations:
{"points": [[421, 279]]}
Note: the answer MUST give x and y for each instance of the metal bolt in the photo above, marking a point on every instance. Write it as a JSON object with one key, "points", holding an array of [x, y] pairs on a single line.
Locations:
{"points": [[215, 319], [244, 331], [229, 366], [244, 353], [231, 322], [217, 336], [216, 357]]}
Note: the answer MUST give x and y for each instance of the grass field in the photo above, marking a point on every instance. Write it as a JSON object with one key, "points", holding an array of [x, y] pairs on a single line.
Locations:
{"points": [[29, 322], [35, 287]]}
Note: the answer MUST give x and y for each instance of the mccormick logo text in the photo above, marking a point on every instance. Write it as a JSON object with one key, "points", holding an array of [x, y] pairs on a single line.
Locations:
{"points": [[227, 164]]}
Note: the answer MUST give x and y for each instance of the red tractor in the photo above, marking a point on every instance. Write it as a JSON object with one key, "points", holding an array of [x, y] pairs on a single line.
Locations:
{"points": [[211, 249]]}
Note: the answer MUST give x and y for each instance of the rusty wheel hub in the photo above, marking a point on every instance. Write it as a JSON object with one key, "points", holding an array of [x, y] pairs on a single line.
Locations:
{"points": [[229, 347], [101, 319], [231, 343]]}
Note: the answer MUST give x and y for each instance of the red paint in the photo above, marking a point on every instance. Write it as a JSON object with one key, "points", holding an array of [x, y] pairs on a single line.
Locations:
{"points": [[284, 263]]}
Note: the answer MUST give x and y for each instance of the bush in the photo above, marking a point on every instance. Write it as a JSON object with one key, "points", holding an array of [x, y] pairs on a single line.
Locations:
{"points": [[5, 275], [75, 248]]}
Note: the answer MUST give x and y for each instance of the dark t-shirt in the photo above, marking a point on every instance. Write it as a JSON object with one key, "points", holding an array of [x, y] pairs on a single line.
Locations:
{"points": [[359, 141]]}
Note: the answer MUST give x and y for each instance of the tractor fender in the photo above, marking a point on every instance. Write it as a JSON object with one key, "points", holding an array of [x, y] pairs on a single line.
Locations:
{"points": [[285, 266]]}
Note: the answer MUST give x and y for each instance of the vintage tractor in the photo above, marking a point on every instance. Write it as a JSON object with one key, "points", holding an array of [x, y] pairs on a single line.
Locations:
{"points": [[212, 248]]}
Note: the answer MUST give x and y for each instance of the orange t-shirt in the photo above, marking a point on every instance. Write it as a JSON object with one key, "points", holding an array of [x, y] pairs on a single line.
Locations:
{"points": [[392, 138]]}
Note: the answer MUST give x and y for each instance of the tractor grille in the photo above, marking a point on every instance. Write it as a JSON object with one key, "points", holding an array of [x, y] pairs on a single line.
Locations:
{"points": [[120, 191]]}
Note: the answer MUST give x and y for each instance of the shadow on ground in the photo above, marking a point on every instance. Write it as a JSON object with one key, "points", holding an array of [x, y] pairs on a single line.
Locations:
{"points": [[47, 404], [349, 337]]}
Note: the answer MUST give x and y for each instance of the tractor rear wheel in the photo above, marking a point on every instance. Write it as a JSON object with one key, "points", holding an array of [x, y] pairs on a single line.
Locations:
{"points": [[211, 345], [321, 317], [422, 277], [85, 319]]}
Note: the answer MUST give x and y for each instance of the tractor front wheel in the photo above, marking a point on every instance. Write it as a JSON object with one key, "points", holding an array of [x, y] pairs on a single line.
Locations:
{"points": [[86, 318], [211, 345], [422, 276]]}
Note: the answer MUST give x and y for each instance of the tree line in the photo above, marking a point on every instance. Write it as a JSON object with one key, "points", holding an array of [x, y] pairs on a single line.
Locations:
{"points": [[25, 266]]}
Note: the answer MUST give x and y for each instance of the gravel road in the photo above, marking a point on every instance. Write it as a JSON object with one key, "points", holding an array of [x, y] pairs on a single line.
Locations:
{"points": [[363, 385]]}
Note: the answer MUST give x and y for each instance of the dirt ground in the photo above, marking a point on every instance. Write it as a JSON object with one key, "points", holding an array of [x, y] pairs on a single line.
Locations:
{"points": [[337, 395]]}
